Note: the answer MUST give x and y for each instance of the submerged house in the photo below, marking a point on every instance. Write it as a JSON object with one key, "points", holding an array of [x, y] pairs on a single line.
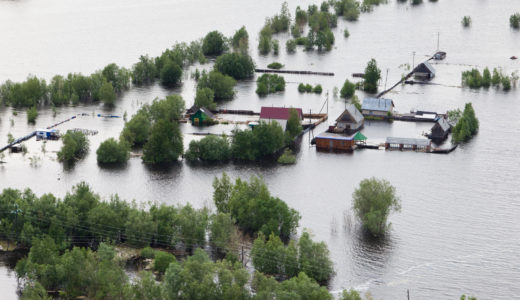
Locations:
{"points": [[278, 114], [440, 130], [334, 142], [377, 107], [350, 121], [408, 144], [202, 116], [424, 71]]}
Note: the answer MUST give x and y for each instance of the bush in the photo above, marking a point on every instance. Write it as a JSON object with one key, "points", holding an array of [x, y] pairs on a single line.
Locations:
{"points": [[240, 40], [165, 143], [75, 146], [222, 85], [238, 66], [204, 98], [348, 89], [269, 83], [287, 158], [107, 94], [372, 202], [213, 44], [514, 21], [276, 47], [275, 66], [170, 74], [162, 260], [290, 46], [346, 34], [301, 88], [466, 21], [147, 252], [372, 76], [265, 43], [351, 294], [32, 114], [467, 125], [112, 152], [264, 140], [349, 9], [137, 130], [209, 148], [145, 71], [317, 89]]}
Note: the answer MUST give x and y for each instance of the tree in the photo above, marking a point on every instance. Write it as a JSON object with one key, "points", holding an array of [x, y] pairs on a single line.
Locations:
{"points": [[75, 146], [222, 85], [269, 83], [213, 43], [222, 189], [162, 260], [314, 259], [239, 66], [137, 130], [110, 151], [373, 201], [205, 98], [351, 294], [32, 114], [145, 71], [348, 89], [290, 46], [514, 21], [107, 95], [164, 144], [294, 126], [170, 74], [223, 234], [210, 148], [240, 40], [170, 109], [118, 77], [372, 76]]}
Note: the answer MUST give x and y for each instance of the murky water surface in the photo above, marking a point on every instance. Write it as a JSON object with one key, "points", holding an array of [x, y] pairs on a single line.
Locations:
{"points": [[458, 231]]}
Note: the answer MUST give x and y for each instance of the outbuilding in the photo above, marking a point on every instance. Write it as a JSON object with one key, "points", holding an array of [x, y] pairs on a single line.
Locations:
{"points": [[424, 71], [440, 130], [350, 121], [377, 107], [278, 114], [202, 116], [46, 134], [334, 142]]}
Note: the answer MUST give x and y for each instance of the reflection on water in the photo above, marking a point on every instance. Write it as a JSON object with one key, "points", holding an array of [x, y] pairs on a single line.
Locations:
{"points": [[458, 230]]}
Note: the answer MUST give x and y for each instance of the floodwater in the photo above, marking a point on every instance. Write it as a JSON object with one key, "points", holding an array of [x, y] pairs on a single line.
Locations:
{"points": [[458, 231]]}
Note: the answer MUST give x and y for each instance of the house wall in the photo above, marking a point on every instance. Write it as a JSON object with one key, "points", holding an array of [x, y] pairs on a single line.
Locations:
{"points": [[333, 144], [376, 113], [282, 123], [350, 125]]}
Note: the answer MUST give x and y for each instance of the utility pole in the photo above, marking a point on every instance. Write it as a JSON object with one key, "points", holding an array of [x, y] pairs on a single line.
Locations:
{"points": [[438, 37], [386, 79], [413, 61], [408, 293]]}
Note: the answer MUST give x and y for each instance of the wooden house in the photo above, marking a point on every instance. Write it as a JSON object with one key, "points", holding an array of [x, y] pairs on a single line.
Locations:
{"points": [[440, 130], [334, 142], [278, 114], [377, 107], [424, 71], [350, 121], [202, 116]]}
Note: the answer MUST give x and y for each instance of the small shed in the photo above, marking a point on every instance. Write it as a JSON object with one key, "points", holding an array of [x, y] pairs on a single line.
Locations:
{"points": [[334, 142], [202, 116], [46, 134], [377, 107], [351, 120], [440, 130], [278, 114], [408, 144], [439, 55], [424, 71]]}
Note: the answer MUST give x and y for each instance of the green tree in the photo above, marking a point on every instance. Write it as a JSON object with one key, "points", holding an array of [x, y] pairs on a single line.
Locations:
{"points": [[514, 21], [239, 66], [137, 130], [32, 114], [213, 44], [222, 189], [351, 294], [75, 146], [164, 144], [210, 148], [240, 40], [117, 76], [162, 260], [270, 83], [170, 74], [294, 126], [372, 202], [372, 76], [347, 90], [107, 95], [223, 234], [145, 71], [314, 259], [290, 46], [222, 85], [205, 98], [170, 109], [110, 151]]}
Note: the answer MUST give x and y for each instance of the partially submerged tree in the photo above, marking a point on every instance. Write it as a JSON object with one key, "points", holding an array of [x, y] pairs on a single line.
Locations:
{"points": [[372, 76]]}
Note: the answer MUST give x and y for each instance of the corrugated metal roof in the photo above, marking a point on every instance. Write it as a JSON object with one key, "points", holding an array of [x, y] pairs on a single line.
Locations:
{"points": [[443, 123], [279, 113], [333, 136], [351, 114], [408, 141], [379, 104], [425, 67]]}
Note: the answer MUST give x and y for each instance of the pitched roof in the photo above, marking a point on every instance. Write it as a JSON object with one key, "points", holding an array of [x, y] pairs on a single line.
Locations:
{"points": [[207, 112], [351, 114], [278, 113], [424, 67], [379, 104], [443, 124], [359, 136]]}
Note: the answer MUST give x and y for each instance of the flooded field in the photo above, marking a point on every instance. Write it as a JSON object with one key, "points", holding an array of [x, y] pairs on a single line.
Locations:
{"points": [[458, 231]]}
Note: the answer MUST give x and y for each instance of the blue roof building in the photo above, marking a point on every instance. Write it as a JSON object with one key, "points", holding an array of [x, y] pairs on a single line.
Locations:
{"points": [[377, 107]]}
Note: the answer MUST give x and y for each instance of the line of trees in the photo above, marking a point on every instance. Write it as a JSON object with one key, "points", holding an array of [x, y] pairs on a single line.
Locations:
{"points": [[475, 80]]}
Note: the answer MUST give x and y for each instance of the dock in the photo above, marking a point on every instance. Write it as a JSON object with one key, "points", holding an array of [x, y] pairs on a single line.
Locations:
{"points": [[294, 72]]}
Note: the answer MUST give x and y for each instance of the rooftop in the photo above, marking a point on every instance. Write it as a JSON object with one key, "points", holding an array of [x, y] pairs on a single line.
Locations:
{"points": [[278, 113], [333, 136], [351, 114], [408, 141], [379, 104]]}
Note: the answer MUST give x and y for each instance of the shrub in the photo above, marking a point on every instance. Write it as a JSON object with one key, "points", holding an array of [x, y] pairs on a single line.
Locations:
{"points": [[210, 148], [346, 34], [32, 114], [301, 88], [275, 66], [466, 21], [348, 89], [265, 43], [112, 152], [147, 252], [276, 47], [222, 85], [317, 89], [287, 158], [290, 46], [372, 202], [162, 260], [170, 73], [467, 125], [213, 43], [75, 146], [264, 140], [514, 21], [238, 66]]}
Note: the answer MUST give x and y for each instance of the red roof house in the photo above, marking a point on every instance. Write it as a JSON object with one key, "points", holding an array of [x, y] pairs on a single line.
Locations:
{"points": [[278, 114]]}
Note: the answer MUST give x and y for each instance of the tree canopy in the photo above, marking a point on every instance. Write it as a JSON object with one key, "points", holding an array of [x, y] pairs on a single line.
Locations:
{"points": [[214, 43], [239, 66], [222, 85], [372, 76], [75, 146], [112, 152]]}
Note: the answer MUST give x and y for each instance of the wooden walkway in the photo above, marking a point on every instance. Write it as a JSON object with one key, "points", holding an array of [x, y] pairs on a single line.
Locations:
{"points": [[294, 72]]}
